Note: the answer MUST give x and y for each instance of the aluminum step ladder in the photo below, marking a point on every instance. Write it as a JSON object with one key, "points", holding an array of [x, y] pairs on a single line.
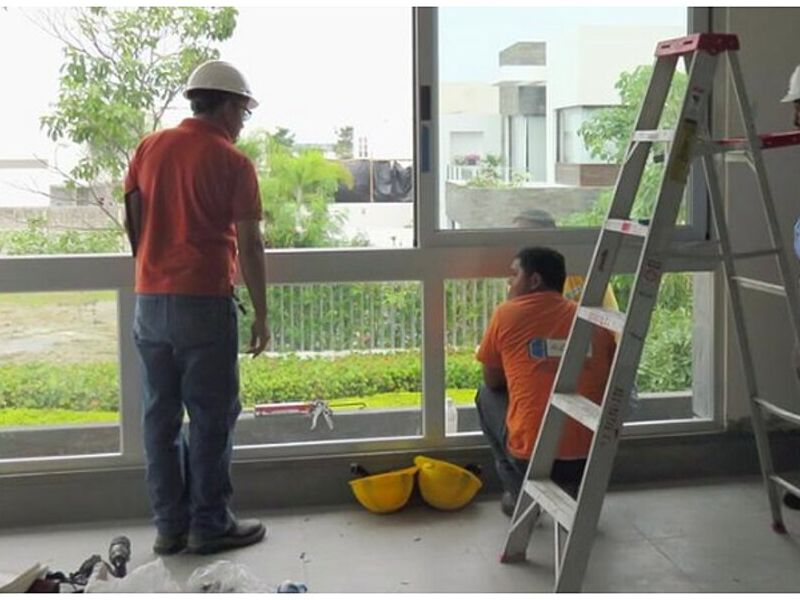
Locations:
{"points": [[575, 519]]}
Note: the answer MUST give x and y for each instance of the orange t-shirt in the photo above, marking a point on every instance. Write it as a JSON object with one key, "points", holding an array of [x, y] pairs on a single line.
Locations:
{"points": [[519, 326], [195, 185]]}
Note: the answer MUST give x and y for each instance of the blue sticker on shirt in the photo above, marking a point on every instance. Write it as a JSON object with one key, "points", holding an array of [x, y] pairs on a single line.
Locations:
{"points": [[537, 348], [797, 238], [550, 348]]}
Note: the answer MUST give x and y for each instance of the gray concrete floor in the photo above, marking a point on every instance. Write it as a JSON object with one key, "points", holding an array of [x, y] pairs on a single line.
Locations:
{"points": [[683, 537]]}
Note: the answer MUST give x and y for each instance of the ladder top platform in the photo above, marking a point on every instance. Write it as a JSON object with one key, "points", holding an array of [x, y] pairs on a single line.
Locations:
{"points": [[713, 43], [768, 140]]}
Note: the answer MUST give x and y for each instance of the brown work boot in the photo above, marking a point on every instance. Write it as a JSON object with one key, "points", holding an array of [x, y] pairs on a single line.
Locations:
{"points": [[169, 544], [242, 533]]}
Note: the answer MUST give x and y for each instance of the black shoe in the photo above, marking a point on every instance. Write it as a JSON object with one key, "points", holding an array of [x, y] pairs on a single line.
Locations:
{"points": [[169, 544], [791, 501], [242, 533], [508, 503]]}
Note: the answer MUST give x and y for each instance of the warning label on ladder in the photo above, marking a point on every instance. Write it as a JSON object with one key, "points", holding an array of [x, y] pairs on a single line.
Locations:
{"points": [[683, 152]]}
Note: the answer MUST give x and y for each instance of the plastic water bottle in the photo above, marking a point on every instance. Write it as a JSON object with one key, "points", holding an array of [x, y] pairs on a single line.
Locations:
{"points": [[451, 416]]}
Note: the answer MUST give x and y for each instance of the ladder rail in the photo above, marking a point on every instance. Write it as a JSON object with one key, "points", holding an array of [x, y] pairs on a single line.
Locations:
{"points": [[609, 243], [784, 268], [642, 303], [734, 294], [628, 181], [576, 519]]}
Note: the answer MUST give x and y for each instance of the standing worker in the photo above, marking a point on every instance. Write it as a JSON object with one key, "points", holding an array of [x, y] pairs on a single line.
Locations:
{"points": [[793, 96], [192, 199]]}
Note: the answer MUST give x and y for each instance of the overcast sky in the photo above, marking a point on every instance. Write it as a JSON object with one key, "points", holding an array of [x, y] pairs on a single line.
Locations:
{"points": [[313, 69]]}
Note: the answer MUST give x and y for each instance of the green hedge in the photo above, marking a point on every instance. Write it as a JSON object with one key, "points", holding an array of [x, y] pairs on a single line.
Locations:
{"points": [[297, 379], [76, 386], [95, 386]]}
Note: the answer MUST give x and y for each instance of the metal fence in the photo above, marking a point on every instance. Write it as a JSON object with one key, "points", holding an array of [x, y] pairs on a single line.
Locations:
{"points": [[373, 316]]}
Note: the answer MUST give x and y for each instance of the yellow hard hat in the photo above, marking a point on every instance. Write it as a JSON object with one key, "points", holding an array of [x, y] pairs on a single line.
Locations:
{"points": [[385, 492], [444, 485]]}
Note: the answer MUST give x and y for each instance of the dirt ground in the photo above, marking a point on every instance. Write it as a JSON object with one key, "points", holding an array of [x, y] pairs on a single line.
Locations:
{"points": [[58, 327]]}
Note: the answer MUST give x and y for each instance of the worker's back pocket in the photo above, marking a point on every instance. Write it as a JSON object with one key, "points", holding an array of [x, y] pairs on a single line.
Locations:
{"points": [[201, 320]]}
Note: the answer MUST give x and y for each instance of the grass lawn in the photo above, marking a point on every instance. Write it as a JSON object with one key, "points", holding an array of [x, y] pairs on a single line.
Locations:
{"points": [[39, 299], [17, 417], [14, 417], [405, 399]]}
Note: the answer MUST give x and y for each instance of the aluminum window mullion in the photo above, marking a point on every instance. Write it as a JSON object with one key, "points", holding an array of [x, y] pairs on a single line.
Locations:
{"points": [[433, 355], [426, 129], [130, 385]]}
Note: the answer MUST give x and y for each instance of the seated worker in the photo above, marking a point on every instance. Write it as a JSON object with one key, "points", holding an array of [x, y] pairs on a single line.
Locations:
{"points": [[537, 218], [518, 376]]}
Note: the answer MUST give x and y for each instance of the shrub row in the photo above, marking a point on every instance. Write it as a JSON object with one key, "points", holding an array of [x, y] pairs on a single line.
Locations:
{"points": [[666, 365], [95, 386]]}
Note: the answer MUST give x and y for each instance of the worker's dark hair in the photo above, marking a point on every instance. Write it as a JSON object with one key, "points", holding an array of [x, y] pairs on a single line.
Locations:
{"points": [[548, 263], [206, 102]]}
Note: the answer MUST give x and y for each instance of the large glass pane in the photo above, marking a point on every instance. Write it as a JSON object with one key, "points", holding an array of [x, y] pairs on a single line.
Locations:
{"points": [[332, 139], [536, 107], [469, 304], [351, 351], [59, 374], [664, 380]]}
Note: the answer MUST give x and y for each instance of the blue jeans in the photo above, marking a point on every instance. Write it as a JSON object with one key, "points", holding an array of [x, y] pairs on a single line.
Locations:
{"points": [[188, 348], [492, 407]]}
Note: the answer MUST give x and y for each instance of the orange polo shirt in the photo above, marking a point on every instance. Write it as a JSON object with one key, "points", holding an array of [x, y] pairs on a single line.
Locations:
{"points": [[519, 325], [195, 185]]}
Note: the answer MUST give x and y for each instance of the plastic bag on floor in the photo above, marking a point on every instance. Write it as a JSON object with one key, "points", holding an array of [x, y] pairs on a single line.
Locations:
{"points": [[152, 577], [225, 577]]}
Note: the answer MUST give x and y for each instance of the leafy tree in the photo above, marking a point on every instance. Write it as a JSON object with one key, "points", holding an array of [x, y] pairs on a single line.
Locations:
{"points": [[296, 190], [122, 69], [490, 174], [343, 148], [284, 138], [607, 133], [38, 238]]}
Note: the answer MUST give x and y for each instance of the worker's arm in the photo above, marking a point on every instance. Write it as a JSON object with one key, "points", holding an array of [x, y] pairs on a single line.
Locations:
{"points": [[494, 377], [133, 218], [251, 260]]}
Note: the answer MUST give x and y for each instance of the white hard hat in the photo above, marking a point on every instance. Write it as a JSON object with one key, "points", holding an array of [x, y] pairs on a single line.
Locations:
{"points": [[220, 75], [794, 87]]}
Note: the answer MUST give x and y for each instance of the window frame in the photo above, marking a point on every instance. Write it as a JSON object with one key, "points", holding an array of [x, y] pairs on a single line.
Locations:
{"points": [[436, 257], [427, 147]]}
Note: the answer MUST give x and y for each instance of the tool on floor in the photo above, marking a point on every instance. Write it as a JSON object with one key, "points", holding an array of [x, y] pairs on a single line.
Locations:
{"points": [[119, 553], [575, 520], [315, 409]]}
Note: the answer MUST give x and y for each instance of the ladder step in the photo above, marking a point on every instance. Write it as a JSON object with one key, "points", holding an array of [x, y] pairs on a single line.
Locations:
{"points": [[627, 226], [553, 500], [580, 408], [784, 414], [788, 481], [760, 286], [755, 253], [653, 135], [612, 320]]}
